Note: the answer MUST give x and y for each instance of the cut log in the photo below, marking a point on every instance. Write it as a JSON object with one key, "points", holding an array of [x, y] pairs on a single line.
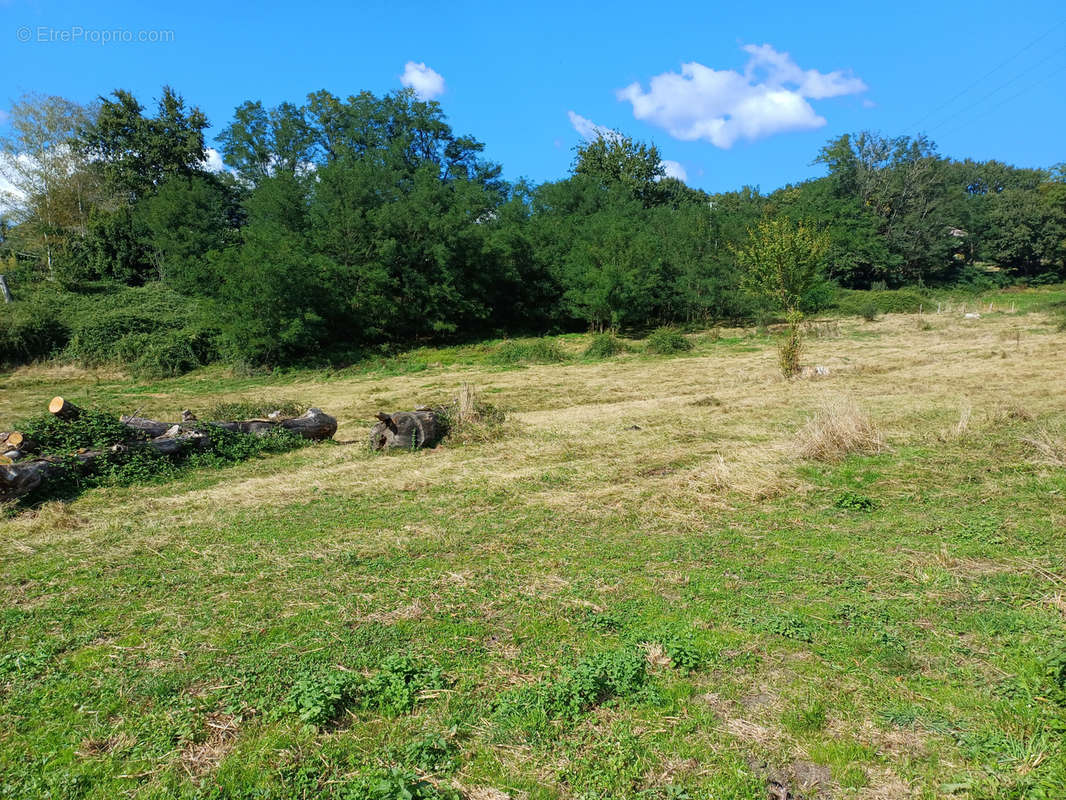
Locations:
{"points": [[314, 424], [408, 430], [16, 440], [5, 459], [149, 427], [64, 409]]}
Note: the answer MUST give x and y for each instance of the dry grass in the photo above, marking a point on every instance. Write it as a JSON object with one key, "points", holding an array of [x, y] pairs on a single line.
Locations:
{"points": [[1050, 449], [840, 427], [199, 758], [961, 426]]}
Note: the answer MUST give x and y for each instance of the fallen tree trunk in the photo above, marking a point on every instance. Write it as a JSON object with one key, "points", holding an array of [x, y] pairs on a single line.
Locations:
{"points": [[20, 475], [313, 424], [408, 430], [20, 478]]}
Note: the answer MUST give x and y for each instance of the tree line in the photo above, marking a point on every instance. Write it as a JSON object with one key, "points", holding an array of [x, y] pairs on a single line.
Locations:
{"points": [[341, 224]]}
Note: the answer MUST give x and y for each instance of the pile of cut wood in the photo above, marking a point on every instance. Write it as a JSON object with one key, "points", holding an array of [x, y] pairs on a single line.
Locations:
{"points": [[22, 469]]}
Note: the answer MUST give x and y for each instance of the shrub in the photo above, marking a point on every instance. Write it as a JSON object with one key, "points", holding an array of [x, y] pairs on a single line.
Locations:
{"points": [[840, 427], [151, 330], [529, 351], [31, 330], [791, 348], [605, 345], [667, 341], [853, 302]]}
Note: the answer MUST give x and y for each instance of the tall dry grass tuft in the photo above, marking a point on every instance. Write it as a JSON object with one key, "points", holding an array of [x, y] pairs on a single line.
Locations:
{"points": [[1051, 449], [840, 427], [959, 429], [470, 419], [466, 405]]}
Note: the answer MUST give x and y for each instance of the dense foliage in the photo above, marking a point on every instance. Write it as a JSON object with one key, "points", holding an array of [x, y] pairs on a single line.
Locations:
{"points": [[349, 224]]}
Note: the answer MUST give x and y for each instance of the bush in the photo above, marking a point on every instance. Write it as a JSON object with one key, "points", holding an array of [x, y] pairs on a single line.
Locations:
{"points": [[31, 329], [605, 345], [791, 348], [870, 311], [151, 330], [529, 351], [854, 302], [667, 341]]}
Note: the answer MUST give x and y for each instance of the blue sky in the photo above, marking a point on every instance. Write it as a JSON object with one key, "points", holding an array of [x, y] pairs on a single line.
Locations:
{"points": [[734, 93]]}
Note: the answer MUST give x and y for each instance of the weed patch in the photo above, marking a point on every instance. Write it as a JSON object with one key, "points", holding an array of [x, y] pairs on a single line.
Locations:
{"points": [[609, 677], [319, 697], [667, 342], [854, 501]]}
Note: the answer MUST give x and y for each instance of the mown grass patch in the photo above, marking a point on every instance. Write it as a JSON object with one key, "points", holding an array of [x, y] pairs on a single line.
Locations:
{"points": [[578, 609]]}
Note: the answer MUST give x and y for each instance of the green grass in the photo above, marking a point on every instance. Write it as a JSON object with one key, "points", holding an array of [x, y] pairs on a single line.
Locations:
{"points": [[603, 615]]}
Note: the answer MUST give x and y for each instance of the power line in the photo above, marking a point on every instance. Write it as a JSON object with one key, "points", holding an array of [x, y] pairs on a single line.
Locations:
{"points": [[1014, 96], [1002, 86], [991, 72]]}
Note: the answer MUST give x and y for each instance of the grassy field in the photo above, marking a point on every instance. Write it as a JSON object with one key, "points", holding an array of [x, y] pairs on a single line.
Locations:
{"points": [[640, 586]]}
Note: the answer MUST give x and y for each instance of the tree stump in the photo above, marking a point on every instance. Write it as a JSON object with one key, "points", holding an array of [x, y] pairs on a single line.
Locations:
{"points": [[64, 409], [408, 430]]}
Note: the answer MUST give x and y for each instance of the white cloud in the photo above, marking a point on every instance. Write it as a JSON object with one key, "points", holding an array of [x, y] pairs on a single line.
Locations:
{"points": [[427, 83], [11, 196], [674, 170], [213, 161], [722, 106], [588, 129]]}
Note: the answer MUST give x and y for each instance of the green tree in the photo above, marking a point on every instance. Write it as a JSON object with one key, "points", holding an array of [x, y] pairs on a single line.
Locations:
{"points": [[781, 264], [184, 219], [615, 160], [134, 155], [54, 190]]}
